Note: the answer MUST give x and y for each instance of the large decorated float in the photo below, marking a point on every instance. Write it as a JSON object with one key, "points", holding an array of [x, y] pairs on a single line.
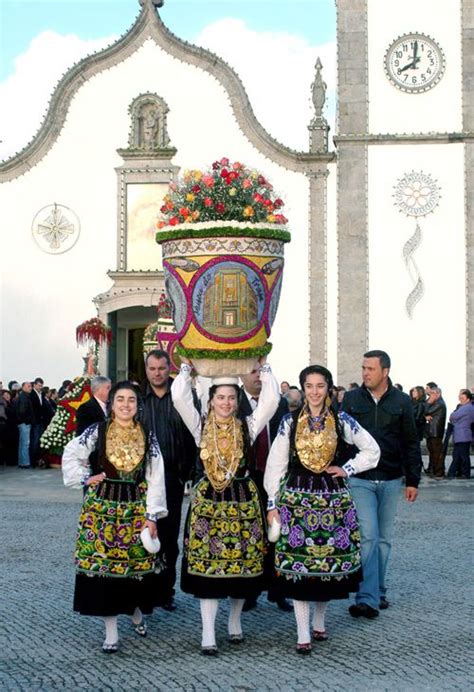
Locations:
{"points": [[222, 234]]}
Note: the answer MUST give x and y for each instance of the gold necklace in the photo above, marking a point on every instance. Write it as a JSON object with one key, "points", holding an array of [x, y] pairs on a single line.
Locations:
{"points": [[316, 448], [125, 447], [222, 446]]}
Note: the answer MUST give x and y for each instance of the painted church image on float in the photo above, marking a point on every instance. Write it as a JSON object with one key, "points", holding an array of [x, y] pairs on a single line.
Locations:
{"points": [[230, 304], [380, 210]]}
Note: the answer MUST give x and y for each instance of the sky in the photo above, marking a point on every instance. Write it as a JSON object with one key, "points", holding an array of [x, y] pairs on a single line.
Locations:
{"points": [[275, 40]]}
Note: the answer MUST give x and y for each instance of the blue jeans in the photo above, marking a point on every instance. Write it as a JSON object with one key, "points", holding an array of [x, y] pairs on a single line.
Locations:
{"points": [[24, 444], [376, 504]]}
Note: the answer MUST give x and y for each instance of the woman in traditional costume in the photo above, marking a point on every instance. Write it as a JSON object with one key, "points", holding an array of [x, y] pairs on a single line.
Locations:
{"points": [[317, 554], [225, 536], [121, 469]]}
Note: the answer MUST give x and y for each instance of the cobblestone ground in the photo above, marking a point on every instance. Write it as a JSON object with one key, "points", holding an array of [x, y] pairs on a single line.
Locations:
{"points": [[422, 642]]}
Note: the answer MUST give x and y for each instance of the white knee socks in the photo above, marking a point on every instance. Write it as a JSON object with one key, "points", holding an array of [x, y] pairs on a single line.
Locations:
{"points": [[302, 621], [209, 608], [319, 616], [111, 629], [234, 624]]}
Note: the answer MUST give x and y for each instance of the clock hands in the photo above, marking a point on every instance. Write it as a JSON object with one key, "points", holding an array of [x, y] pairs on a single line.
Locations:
{"points": [[414, 60]]}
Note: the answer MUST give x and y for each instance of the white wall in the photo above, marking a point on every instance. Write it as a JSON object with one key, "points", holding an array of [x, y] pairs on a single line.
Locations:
{"points": [[46, 296], [437, 110], [431, 345]]}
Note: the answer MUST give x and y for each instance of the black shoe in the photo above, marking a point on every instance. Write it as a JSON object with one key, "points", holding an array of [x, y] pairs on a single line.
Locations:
{"points": [[359, 610], [169, 605], [384, 604], [209, 651], [250, 604], [284, 605]]}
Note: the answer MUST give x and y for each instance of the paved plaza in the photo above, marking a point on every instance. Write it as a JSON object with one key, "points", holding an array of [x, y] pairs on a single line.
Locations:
{"points": [[422, 642]]}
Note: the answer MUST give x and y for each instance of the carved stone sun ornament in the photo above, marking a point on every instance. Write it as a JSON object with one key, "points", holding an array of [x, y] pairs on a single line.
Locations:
{"points": [[55, 229]]}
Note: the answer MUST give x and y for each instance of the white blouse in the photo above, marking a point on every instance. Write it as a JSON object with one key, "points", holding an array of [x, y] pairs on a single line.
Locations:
{"points": [[278, 459], [76, 468], [268, 400]]}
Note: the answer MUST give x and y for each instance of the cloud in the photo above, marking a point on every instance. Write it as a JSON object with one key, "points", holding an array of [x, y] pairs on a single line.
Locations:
{"points": [[276, 68], [26, 93]]}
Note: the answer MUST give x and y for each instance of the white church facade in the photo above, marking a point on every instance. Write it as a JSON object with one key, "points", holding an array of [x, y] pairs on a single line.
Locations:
{"points": [[382, 224]]}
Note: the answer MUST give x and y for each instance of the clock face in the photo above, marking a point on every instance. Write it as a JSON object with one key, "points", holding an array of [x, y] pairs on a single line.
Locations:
{"points": [[414, 63]]}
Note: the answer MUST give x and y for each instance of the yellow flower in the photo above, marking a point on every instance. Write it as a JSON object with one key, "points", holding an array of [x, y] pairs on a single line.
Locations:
{"points": [[248, 211], [199, 567], [119, 569], [232, 511], [232, 191], [234, 568], [190, 197], [271, 218], [245, 534], [99, 546], [197, 175], [195, 215]]}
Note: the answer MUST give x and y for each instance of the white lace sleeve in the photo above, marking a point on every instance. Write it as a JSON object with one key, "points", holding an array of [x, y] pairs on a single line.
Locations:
{"points": [[155, 476], [75, 462], [369, 451], [267, 403], [182, 395], [278, 458]]}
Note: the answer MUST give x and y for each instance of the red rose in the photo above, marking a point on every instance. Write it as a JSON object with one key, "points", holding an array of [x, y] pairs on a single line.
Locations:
{"points": [[164, 209], [268, 203], [184, 212], [261, 180], [219, 207], [224, 162], [216, 165], [208, 202], [196, 188], [257, 197], [224, 173], [278, 203], [173, 221]]}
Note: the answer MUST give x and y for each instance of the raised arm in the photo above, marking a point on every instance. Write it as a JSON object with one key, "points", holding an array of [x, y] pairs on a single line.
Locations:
{"points": [[182, 395], [267, 403]]}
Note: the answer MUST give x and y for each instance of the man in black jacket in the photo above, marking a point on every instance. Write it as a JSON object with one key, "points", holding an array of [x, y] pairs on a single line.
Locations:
{"points": [[387, 414], [94, 410], [179, 454], [249, 394], [24, 417]]}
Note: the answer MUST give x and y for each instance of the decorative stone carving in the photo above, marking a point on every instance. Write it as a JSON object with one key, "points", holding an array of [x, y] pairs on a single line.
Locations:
{"points": [[55, 229], [318, 127], [148, 128], [416, 194]]}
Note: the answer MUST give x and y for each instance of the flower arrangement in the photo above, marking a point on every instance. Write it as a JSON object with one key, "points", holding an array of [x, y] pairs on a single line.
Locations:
{"points": [[226, 192], [93, 330], [63, 424]]}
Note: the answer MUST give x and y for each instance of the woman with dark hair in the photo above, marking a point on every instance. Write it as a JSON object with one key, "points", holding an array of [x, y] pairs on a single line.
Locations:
{"points": [[317, 554], [418, 401], [225, 540], [125, 493]]}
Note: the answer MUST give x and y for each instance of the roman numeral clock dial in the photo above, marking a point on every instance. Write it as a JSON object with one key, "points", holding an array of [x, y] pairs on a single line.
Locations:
{"points": [[414, 63]]}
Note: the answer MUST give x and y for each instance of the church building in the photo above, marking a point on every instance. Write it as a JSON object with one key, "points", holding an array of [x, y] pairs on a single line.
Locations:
{"points": [[381, 210]]}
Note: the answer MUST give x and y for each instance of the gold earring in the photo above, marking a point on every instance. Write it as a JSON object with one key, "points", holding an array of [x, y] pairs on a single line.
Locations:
{"points": [[328, 401]]}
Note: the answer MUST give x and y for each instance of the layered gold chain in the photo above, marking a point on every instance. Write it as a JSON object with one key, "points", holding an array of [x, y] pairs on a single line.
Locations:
{"points": [[125, 446], [222, 447]]}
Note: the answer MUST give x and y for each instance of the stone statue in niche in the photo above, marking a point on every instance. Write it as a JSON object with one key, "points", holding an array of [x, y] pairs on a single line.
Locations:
{"points": [[150, 124]]}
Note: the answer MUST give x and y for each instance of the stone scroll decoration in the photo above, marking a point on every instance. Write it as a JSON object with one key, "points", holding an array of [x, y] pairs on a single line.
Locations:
{"points": [[416, 194], [55, 229]]}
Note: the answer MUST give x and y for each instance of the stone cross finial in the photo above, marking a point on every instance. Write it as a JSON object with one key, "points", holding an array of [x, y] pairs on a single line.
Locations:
{"points": [[318, 89]]}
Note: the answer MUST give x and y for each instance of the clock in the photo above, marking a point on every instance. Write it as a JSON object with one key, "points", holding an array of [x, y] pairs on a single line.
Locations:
{"points": [[414, 63]]}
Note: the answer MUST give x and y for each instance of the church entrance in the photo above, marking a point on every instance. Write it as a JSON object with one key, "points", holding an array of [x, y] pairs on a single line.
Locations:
{"points": [[125, 361]]}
